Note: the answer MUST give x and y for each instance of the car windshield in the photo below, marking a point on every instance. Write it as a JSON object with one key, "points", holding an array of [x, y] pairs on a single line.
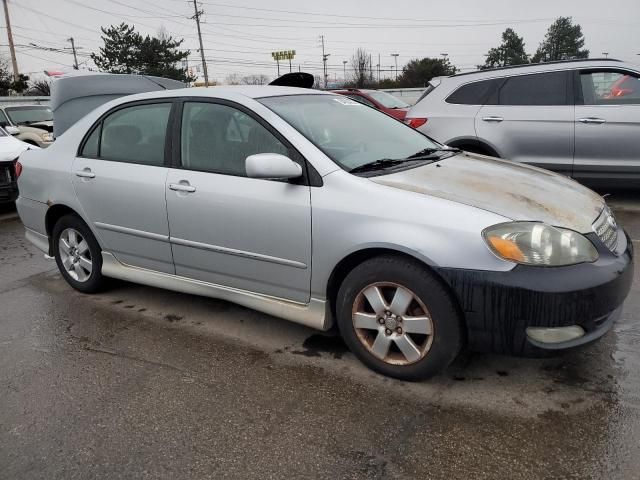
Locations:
{"points": [[21, 115], [387, 100], [348, 132]]}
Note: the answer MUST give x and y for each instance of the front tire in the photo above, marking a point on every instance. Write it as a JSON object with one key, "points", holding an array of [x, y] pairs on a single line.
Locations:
{"points": [[398, 319], [77, 254]]}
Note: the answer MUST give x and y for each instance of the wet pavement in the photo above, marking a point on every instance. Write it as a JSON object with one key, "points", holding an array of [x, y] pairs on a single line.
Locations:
{"points": [[139, 382]]}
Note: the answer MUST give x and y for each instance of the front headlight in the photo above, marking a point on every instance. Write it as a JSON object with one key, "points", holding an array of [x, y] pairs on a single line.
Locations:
{"points": [[534, 243], [47, 137]]}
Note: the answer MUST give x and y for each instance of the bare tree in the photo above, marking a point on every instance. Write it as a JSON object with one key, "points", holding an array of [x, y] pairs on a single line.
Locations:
{"points": [[233, 79], [254, 80], [360, 65], [40, 88]]}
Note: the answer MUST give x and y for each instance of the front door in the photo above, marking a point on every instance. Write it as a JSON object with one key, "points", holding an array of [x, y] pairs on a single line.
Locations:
{"points": [[119, 179], [530, 120], [607, 126], [227, 229]]}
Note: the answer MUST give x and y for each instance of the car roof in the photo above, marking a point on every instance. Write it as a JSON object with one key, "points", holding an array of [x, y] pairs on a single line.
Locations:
{"points": [[250, 91]]}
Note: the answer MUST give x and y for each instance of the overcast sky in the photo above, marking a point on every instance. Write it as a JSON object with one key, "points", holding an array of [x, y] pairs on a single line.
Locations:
{"points": [[240, 36]]}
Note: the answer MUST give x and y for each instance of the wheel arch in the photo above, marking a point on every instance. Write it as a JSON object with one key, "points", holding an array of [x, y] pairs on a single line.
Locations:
{"points": [[355, 258], [54, 213], [474, 145]]}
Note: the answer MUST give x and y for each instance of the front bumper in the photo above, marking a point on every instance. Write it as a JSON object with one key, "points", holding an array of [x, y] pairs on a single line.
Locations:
{"points": [[499, 306]]}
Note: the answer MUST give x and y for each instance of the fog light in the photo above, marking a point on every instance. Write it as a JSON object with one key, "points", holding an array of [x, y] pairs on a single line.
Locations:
{"points": [[555, 335]]}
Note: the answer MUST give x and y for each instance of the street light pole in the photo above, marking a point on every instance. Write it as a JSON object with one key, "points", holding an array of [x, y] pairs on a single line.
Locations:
{"points": [[395, 56]]}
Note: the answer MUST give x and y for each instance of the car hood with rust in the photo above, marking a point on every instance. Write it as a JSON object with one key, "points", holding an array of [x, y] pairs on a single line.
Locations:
{"points": [[513, 190]]}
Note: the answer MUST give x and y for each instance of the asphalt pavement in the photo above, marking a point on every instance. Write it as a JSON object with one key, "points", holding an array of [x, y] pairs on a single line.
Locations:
{"points": [[138, 382]]}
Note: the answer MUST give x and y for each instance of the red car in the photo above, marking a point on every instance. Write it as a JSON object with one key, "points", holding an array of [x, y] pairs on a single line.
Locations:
{"points": [[381, 100]]}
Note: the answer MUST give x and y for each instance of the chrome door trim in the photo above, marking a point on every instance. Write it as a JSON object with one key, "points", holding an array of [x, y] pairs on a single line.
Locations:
{"points": [[315, 314], [132, 231], [238, 253]]}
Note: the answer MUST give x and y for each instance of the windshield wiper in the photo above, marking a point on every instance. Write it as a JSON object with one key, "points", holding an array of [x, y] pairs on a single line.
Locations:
{"points": [[377, 164], [426, 152]]}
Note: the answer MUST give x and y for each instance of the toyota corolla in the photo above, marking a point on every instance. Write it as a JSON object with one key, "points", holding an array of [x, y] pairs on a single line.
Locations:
{"points": [[318, 209]]}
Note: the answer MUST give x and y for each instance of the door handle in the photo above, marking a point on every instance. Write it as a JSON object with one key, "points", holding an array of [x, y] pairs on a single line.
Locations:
{"points": [[492, 119], [85, 173], [182, 187], [595, 120]]}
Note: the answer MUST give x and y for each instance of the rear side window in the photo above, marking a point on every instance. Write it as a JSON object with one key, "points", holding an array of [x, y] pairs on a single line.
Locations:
{"points": [[134, 134], [535, 89], [476, 93]]}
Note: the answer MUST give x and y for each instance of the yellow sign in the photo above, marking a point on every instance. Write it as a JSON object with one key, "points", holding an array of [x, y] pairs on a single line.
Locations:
{"points": [[283, 55]]}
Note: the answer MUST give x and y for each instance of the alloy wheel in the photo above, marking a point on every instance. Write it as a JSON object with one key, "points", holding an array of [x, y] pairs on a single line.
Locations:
{"points": [[392, 323], [75, 255]]}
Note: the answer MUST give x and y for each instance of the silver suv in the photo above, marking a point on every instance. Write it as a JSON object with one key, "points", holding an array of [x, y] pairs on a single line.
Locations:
{"points": [[579, 118], [318, 209]]}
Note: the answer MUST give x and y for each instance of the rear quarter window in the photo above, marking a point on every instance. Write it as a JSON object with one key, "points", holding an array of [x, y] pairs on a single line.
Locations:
{"points": [[476, 93]]}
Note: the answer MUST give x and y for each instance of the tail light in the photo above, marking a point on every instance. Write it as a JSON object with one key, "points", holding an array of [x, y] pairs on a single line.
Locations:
{"points": [[415, 122], [17, 167]]}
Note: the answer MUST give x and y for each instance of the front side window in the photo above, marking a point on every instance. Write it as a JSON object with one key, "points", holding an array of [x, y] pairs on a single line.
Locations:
{"points": [[346, 131], [217, 138], [134, 134], [29, 114], [535, 89], [608, 87]]}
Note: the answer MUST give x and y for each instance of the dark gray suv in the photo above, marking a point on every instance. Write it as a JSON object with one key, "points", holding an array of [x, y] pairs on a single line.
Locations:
{"points": [[579, 118]]}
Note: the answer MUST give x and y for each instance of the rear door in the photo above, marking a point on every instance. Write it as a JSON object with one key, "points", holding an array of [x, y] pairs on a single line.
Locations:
{"points": [[530, 119], [607, 125], [119, 178], [227, 229]]}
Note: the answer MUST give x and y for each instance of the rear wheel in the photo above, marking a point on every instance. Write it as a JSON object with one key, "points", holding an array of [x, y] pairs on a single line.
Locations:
{"points": [[398, 319], [78, 255]]}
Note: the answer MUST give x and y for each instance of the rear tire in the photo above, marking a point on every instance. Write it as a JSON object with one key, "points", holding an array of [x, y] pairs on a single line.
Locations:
{"points": [[398, 318], [78, 254]]}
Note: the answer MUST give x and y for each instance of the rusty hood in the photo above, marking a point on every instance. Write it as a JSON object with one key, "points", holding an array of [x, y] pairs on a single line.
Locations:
{"points": [[513, 190]]}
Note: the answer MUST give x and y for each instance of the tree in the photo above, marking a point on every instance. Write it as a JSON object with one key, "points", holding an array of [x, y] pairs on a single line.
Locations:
{"points": [[255, 80], [9, 86], [510, 52], [126, 51], [40, 88], [360, 64], [233, 79], [418, 72], [563, 41]]}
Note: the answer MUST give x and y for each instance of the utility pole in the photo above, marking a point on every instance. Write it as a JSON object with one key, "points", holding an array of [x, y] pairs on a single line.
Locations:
{"points": [[344, 67], [378, 68], [14, 62], [75, 57], [324, 61], [395, 56], [204, 63]]}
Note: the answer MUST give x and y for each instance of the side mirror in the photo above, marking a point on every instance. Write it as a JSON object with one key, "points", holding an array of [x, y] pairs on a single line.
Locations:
{"points": [[272, 165], [11, 130]]}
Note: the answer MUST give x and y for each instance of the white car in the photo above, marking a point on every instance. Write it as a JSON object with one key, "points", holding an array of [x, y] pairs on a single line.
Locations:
{"points": [[10, 150]]}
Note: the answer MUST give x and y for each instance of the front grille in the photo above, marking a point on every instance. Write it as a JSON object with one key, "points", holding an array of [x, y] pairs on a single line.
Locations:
{"points": [[606, 228]]}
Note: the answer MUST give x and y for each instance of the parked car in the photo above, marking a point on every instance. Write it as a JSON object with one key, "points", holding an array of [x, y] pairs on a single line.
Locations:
{"points": [[10, 150], [579, 118], [34, 123], [312, 207], [383, 101]]}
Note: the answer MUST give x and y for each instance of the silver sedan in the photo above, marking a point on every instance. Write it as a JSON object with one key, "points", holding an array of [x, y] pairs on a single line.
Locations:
{"points": [[315, 208]]}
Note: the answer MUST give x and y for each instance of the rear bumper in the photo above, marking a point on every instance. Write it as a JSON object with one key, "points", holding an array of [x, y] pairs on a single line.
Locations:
{"points": [[8, 193], [499, 306]]}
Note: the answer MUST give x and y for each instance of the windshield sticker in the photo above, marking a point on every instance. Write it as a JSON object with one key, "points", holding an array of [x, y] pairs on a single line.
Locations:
{"points": [[347, 101]]}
